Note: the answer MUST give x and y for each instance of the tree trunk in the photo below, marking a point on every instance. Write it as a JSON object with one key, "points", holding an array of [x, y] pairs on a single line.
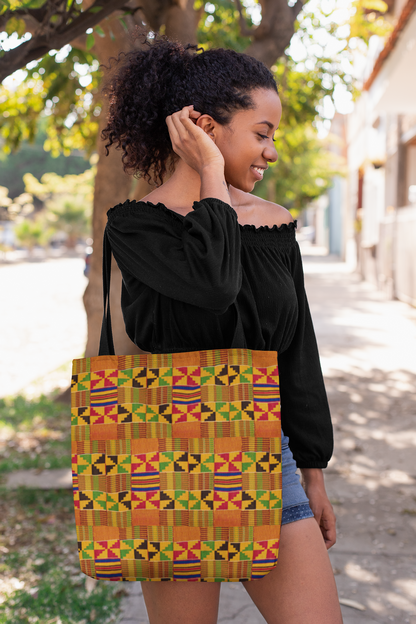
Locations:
{"points": [[182, 21], [112, 186]]}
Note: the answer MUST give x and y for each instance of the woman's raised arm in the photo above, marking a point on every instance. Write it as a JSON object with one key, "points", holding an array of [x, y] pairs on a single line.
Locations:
{"points": [[198, 150]]}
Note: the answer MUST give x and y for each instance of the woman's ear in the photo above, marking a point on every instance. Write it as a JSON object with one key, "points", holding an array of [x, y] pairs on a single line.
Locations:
{"points": [[207, 124]]}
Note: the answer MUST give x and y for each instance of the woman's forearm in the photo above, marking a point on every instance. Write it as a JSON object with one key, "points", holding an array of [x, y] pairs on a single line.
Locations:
{"points": [[312, 477], [213, 183]]}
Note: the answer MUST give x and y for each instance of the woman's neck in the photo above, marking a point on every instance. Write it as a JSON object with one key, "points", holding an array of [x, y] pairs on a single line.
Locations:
{"points": [[180, 191], [183, 188]]}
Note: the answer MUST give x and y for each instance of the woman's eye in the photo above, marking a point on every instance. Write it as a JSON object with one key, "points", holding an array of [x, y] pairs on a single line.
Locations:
{"points": [[263, 136]]}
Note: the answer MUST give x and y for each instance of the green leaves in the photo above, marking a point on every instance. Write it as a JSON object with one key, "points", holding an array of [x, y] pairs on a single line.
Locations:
{"points": [[220, 27], [368, 20], [90, 41], [53, 90], [12, 5], [123, 23], [15, 25], [90, 37], [375, 5]]}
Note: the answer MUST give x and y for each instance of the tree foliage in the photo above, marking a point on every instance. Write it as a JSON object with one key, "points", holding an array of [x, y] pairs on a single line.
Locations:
{"points": [[31, 157], [70, 216], [63, 87], [32, 233], [370, 18], [218, 26], [64, 208], [51, 23], [67, 202], [20, 206]]}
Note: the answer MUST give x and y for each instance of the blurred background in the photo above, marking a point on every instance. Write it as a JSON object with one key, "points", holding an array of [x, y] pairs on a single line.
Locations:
{"points": [[346, 73]]}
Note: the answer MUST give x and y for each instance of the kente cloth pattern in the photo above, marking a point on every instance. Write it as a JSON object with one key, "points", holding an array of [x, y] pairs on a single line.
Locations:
{"points": [[176, 463]]}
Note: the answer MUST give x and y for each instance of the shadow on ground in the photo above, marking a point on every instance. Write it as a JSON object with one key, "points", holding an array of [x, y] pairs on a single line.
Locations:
{"points": [[371, 481]]}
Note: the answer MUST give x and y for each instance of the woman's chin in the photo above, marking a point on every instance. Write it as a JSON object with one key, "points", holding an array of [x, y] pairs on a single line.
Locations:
{"points": [[243, 185]]}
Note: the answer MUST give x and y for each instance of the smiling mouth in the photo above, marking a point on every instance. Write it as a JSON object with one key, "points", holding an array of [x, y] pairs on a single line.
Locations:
{"points": [[259, 171]]}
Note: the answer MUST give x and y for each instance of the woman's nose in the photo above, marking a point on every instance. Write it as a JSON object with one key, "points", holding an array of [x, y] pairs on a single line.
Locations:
{"points": [[270, 153]]}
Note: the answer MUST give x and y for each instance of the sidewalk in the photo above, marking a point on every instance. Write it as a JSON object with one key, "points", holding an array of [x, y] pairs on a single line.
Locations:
{"points": [[43, 322], [370, 369], [367, 346]]}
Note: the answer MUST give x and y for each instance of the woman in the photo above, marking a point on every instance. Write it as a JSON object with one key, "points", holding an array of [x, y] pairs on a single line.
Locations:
{"points": [[198, 246]]}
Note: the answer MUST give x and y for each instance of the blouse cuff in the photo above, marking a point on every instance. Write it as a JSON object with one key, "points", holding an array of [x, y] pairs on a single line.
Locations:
{"points": [[317, 464]]}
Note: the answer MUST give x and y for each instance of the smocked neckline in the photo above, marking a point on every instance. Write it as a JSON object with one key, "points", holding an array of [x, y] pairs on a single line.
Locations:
{"points": [[246, 227], [290, 227]]}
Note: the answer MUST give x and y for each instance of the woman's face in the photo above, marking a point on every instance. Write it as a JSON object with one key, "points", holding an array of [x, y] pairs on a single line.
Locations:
{"points": [[247, 141]]}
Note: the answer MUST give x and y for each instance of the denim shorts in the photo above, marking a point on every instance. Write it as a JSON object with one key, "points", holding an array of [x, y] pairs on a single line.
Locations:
{"points": [[295, 501]]}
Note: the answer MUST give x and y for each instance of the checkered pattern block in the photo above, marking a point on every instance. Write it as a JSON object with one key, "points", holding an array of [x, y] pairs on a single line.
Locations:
{"points": [[176, 464]]}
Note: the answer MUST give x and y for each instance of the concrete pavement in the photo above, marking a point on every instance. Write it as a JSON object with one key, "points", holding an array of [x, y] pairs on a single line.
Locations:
{"points": [[367, 350], [43, 322]]}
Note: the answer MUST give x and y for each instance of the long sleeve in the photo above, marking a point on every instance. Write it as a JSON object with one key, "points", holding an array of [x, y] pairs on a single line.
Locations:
{"points": [[305, 412], [194, 259]]}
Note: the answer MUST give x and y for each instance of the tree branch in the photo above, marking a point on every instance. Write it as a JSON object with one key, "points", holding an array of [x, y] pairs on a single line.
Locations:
{"points": [[297, 8], [246, 32], [38, 15], [155, 12], [273, 35], [45, 40]]}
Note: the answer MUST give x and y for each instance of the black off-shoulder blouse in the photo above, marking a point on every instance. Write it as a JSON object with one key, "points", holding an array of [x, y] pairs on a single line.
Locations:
{"points": [[183, 277]]}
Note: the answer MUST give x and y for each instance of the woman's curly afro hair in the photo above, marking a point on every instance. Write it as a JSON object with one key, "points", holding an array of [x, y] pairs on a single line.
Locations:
{"points": [[162, 78]]}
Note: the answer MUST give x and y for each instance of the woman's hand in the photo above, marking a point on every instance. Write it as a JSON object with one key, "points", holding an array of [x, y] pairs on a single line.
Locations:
{"points": [[313, 482], [191, 143]]}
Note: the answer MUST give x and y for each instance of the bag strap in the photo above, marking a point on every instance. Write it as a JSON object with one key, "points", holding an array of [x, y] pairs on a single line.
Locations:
{"points": [[106, 339]]}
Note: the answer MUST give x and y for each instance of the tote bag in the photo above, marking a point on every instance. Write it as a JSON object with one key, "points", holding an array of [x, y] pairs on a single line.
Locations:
{"points": [[176, 461]]}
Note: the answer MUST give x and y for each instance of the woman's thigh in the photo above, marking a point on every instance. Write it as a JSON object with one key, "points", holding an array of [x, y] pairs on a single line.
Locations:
{"points": [[181, 602], [301, 588]]}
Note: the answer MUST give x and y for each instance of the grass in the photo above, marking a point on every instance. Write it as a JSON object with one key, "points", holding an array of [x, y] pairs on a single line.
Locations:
{"points": [[39, 570], [34, 434], [40, 578]]}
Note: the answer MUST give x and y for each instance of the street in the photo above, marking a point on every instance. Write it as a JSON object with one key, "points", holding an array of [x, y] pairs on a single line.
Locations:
{"points": [[43, 321], [367, 346]]}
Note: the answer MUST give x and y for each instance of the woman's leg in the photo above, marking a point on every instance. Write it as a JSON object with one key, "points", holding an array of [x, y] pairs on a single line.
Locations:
{"points": [[181, 602], [301, 589]]}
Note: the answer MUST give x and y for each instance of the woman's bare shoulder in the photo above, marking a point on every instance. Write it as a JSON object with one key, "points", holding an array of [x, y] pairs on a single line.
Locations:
{"points": [[256, 211], [278, 213]]}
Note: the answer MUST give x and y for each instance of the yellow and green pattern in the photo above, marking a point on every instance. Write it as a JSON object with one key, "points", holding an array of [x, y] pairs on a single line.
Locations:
{"points": [[176, 463]]}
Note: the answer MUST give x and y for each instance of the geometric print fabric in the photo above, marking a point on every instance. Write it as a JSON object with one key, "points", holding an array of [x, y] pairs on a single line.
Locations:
{"points": [[176, 463]]}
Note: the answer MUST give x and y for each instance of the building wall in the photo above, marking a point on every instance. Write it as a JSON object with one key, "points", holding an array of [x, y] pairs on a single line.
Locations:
{"points": [[404, 255], [382, 163], [411, 166], [335, 217]]}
